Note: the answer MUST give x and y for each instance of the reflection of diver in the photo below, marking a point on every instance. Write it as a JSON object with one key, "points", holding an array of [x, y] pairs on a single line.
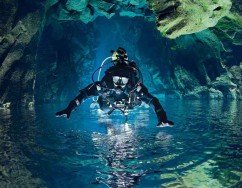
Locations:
{"points": [[118, 149], [121, 88]]}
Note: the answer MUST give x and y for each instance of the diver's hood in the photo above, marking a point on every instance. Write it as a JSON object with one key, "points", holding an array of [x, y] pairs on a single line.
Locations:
{"points": [[122, 71], [119, 56]]}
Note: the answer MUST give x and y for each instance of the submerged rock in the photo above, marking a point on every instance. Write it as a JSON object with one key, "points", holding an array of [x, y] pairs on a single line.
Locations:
{"points": [[203, 92], [226, 86], [215, 94]]}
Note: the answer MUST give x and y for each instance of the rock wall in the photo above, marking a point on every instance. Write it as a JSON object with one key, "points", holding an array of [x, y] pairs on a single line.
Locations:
{"points": [[65, 60], [192, 66], [19, 33], [181, 17]]}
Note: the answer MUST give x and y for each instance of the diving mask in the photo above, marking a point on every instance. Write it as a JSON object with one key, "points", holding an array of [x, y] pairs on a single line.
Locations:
{"points": [[120, 82]]}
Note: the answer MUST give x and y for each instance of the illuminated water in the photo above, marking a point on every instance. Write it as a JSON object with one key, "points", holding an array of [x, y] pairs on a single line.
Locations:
{"points": [[89, 150]]}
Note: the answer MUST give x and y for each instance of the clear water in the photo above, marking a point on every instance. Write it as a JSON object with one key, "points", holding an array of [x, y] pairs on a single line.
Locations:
{"points": [[203, 149]]}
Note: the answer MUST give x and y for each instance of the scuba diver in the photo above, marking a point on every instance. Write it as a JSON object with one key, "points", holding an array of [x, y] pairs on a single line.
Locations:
{"points": [[121, 88]]}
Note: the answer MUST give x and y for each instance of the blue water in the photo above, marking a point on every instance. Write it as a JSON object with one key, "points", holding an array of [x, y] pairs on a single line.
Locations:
{"points": [[203, 149]]}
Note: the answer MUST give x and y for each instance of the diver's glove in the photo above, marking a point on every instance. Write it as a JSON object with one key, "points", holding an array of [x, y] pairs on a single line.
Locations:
{"points": [[67, 112], [162, 118]]}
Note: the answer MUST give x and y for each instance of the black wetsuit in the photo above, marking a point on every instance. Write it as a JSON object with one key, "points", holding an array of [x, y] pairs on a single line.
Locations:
{"points": [[132, 95]]}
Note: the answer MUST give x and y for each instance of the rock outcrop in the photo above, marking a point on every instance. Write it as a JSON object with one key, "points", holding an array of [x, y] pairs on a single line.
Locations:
{"points": [[181, 17]]}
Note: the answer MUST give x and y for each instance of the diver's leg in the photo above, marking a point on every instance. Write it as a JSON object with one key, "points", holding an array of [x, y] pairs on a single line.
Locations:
{"points": [[90, 90], [146, 97]]}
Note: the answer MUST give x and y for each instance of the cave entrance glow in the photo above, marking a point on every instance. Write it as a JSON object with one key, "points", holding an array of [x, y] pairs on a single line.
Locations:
{"points": [[70, 51]]}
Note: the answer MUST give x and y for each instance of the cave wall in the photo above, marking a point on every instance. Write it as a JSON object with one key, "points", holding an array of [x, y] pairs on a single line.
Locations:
{"points": [[64, 60], [192, 66], [204, 56], [19, 35]]}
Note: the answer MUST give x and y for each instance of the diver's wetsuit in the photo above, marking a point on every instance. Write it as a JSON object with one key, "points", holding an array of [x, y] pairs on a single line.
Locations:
{"points": [[109, 98]]}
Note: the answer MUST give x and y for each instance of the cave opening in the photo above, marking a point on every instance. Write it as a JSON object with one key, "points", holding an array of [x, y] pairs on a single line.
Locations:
{"points": [[70, 51]]}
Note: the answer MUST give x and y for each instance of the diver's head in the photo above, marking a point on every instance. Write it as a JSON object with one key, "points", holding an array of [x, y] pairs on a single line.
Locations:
{"points": [[120, 83], [120, 56]]}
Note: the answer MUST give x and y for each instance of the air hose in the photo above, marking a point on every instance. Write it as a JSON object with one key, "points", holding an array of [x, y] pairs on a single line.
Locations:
{"points": [[99, 73]]}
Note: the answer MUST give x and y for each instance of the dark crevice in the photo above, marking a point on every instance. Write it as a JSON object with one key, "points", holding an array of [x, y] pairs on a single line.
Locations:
{"points": [[168, 11], [5, 53], [181, 24], [217, 8], [92, 10], [7, 77]]}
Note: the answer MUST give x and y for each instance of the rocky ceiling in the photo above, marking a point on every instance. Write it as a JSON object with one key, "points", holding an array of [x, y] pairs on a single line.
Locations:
{"points": [[173, 17]]}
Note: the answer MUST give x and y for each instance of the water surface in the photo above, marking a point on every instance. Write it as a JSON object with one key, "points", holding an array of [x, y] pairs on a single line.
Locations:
{"points": [[203, 149]]}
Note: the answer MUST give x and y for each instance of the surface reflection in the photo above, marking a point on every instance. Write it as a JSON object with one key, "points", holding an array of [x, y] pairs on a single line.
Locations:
{"points": [[115, 148], [17, 135]]}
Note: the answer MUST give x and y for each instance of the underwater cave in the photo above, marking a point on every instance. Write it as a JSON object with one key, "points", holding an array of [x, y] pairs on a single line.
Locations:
{"points": [[49, 49], [189, 54]]}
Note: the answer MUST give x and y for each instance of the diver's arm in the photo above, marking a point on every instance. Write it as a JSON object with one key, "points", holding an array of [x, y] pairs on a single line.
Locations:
{"points": [[90, 90], [149, 99]]}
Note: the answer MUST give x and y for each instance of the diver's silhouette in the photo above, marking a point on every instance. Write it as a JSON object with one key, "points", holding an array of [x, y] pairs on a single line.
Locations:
{"points": [[121, 88]]}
